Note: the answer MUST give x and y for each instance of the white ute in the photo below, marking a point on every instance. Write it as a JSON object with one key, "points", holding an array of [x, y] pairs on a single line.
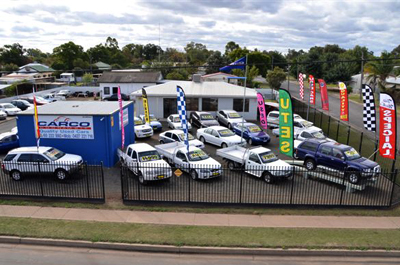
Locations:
{"points": [[145, 162], [31, 160], [257, 161], [142, 129], [195, 162]]}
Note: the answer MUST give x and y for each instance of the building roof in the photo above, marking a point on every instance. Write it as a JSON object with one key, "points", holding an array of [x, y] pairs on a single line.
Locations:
{"points": [[130, 77], [219, 73], [198, 89], [37, 67], [78, 108], [393, 80], [102, 65]]}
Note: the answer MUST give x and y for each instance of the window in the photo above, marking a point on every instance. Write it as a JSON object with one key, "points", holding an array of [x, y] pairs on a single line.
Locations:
{"points": [[238, 104], [170, 106], [168, 134], [214, 133], [129, 152], [326, 150], [337, 153], [254, 158], [9, 157], [181, 155], [175, 137], [115, 90], [24, 158], [192, 104], [309, 146], [38, 158], [208, 131], [134, 155], [106, 90], [306, 135], [209, 104]]}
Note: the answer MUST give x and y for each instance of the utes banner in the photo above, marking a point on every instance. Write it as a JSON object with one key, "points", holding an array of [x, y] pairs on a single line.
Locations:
{"points": [[387, 126], [145, 106], [324, 94], [311, 80], [285, 123], [301, 84], [261, 109], [344, 102]]}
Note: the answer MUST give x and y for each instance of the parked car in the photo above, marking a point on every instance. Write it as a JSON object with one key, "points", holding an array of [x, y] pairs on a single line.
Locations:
{"points": [[32, 160], [336, 156], [178, 136], [219, 136], [298, 125], [39, 100], [114, 97], [229, 118], [145, 162], [202, 119], [53, 98], [82, 95], [260, 162], [21, 104], [301, 135], [142, 129], [64, 93], [154, 122], [273, 118], [3, 115], [195, 162], [9, 109], [174, 122], [8, 141], [252, 133]]}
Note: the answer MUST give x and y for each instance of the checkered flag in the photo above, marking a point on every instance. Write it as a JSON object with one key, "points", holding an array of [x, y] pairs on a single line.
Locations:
{"points": [[369, 112], [181, 100], [301, 84]]}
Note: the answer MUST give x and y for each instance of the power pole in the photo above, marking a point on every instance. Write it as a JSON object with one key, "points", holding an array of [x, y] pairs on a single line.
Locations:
{"points": [[362, 73], [159, 42]]}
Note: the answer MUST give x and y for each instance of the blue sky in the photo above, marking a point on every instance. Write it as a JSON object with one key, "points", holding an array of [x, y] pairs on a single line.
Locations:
{"points": [[266, 25]]}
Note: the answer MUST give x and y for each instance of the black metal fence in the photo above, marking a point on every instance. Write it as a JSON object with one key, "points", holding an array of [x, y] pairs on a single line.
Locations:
{"points": [[61, 181], [240, 187]]}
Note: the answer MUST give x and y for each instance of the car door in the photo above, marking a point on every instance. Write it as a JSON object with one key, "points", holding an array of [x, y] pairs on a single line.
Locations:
{"points": [[304, 135], [25, 165], [6, 143], [43, 163], [170, 124], [253, 165], [181, 161], [224, 120], [338, 159], [214, 137], [196, 119], [175, 138], [167, 138], [246, 133], [324, 156]]}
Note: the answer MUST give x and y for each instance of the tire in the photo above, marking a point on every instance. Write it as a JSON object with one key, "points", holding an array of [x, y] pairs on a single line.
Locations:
{"points": [[353, 177], [141, 178], [250, 141], [268, 178], [231, 165], [193, 174], [202, 139], [295, 155], [162, 142], [224, 145], [309, 164], [229, 126], [15, 175], [61, 174]]}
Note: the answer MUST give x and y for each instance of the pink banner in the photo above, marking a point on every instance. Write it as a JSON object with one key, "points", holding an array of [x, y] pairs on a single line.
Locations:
{"points": [[261, 109], [324, 94], [121, 113], [311, 80], [387, 126]]}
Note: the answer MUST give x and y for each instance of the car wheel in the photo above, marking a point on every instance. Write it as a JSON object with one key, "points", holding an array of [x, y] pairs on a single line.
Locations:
{"points": [[310, 164], [224, 145], [250, 142], [229, 126], [202, 139], [61, 174], [141, 178], [353, 177], [16, 175], [267, 177], [231, 165], [295, 154], [162, 142], [193, 174]]}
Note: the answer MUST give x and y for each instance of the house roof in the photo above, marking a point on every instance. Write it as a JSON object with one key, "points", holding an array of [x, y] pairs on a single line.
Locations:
{"points": [[102, 65], [219, 73], [198, 89], [393, 80], [130, 77], [37, 67]]}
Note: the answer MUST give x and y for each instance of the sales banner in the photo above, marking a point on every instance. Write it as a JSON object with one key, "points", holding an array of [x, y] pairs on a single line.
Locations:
{"points": [[145, 106], [301, 84], [324, 94], [261, 109], [311, 80], [66, 127], [344, 102], [285, 123], [387, 126], [121, 118]]}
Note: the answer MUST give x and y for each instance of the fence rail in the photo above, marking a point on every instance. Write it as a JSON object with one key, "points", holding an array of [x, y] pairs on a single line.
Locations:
{"points": [[37, 180], [321, 187]]}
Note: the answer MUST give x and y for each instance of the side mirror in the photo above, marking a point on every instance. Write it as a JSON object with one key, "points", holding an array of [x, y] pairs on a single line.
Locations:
{"points": [[184, 160], [217, 136], [134, 160]]}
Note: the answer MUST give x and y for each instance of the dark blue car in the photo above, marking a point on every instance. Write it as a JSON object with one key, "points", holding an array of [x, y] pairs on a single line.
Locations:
{"points": [[8, 141], [252, 133]]}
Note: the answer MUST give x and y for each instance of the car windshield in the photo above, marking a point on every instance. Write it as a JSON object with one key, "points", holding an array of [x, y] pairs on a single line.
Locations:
{"points": [[25, 102], [318, 135], [8, 106], [138, 121], [54, 154], [197, 155], [152, 118], [234, 115], [176, 119], [182, 136], [206, 117], [225, 133], [149, 156], [351, 154], [306, 124], [268, 157], [254, 128]]}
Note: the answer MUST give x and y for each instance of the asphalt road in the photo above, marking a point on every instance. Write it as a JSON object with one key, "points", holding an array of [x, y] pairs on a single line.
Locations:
{"points": [[44, 255], [7, 125]]}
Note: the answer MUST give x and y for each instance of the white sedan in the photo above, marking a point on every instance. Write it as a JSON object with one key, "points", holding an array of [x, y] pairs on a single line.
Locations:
{"points": [[9, 109], [142, 129], [178, 136], [174, 122], [220, 136]]}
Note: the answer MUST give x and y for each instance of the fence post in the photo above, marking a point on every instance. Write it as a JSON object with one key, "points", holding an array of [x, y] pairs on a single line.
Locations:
{"points": [[241, 185], [315, 114], [102, 181], [348, 135], [375, 151], [341, 194], [329, 124], [189, 179], [337, 130], [292, 187], [87, 180], [320, 122], [361, 139], [122, 181], [41, 180], [393, 184]]}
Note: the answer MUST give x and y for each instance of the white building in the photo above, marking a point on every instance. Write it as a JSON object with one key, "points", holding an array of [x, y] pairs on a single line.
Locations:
{"points": [[220, 77], [200, 96], [67, 77], [128, 81]]}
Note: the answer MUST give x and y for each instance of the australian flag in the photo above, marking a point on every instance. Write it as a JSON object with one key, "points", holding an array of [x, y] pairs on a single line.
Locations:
{"points": [[182, 113], [239, 64]]}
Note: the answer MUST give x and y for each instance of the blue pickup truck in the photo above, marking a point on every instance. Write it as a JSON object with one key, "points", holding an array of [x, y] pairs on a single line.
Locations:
{"points": [[336, 156]]}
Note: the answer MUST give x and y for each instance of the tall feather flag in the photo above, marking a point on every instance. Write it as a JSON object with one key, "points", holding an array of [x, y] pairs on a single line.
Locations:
{"points": [[145, 106], [261, 109], [324, 94], [181, 101], [238, 64], [285, 123], [311, 80], [344, 102], [121, 114], [387, 126], [369, 111], [37, 129], [301, 84]]}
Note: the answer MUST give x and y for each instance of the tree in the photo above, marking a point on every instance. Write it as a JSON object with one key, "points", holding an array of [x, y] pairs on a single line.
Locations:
{"points": [[396, 51], [197, 53], [68, 52], [151, 51], [230, 47], [175, 75], [13, 54], [36, 55], [215, 61], [10, 67], [276, 77], [379, 70], [277, 59], [87, 78], [173, 55]]}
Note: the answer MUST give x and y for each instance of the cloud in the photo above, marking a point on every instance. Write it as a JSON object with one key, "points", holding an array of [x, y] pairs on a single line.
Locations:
{"points": [[24, 29], [208, 24]]}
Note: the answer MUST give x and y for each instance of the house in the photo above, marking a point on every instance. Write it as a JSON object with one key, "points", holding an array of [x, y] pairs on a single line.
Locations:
{"points": [[102, 66], [220, 77], [128, 81], [33, 78], [200, 96], [35, 68], [393, 82], [67, 77]]}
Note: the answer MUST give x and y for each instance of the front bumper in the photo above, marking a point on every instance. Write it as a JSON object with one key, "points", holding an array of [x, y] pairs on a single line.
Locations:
{"points": [[261, 141], [208, 174], [158, 175], [141, 134], [282, 173], [156, 128]]}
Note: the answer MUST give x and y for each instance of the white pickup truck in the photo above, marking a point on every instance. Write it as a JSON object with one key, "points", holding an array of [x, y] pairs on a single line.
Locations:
{"points": [[258, 161], [145, 162], [195, 162]]}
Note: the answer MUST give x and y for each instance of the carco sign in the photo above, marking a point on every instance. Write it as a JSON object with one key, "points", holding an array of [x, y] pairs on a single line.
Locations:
{"points": [[66, 127]]}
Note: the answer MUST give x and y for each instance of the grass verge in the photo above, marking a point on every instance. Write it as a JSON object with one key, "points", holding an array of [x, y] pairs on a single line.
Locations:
{"points": [[201, 236]]}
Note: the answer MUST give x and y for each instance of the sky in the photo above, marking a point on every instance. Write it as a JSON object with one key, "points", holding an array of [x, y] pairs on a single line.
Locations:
{"points": [[265, 25]]}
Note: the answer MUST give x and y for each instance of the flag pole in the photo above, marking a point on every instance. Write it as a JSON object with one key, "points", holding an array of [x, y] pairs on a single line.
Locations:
{"points": [[244, 99], [309, 98]]}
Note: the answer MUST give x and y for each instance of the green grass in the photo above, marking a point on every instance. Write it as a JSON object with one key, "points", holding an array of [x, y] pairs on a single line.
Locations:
{"points": [[201, 235]]}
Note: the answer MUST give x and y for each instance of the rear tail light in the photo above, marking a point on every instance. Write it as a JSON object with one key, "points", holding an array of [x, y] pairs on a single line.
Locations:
{"points": [[3, 166]]}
